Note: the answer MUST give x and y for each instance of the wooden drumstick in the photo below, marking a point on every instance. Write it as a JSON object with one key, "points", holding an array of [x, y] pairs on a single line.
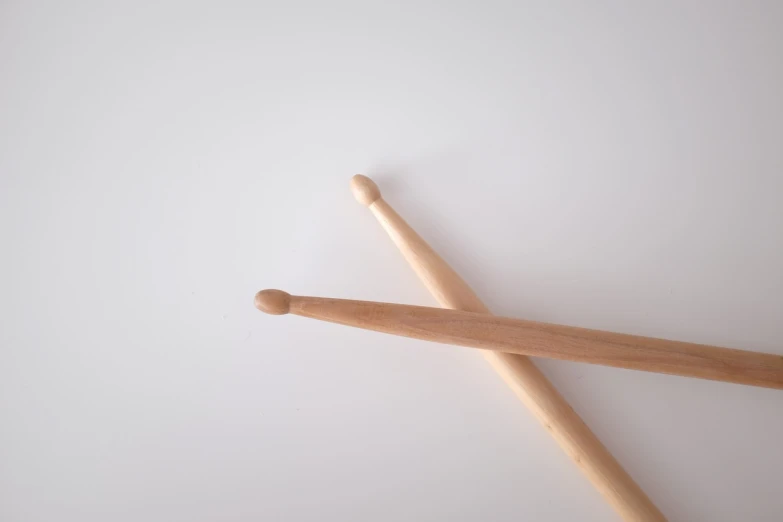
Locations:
{"points": [[536, 339], [520, 374]]}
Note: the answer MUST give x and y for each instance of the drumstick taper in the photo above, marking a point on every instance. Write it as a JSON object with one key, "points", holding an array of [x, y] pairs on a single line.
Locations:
{"points": [[528, 383]]}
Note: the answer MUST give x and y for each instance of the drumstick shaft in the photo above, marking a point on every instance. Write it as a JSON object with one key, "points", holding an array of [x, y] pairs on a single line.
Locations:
{"points": [[530, 386], [546, 340]]}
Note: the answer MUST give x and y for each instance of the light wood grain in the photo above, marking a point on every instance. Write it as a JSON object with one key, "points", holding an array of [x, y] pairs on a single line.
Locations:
{"points": [[536, 339], [526, 381]]}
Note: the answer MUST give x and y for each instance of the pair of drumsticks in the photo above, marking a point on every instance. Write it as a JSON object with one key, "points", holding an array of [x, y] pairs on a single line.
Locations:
{"points": [[469, 323]]}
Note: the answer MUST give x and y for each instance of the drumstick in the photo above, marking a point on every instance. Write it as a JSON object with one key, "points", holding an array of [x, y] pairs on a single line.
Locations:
{"points": [[520, 374], [536, 339]]}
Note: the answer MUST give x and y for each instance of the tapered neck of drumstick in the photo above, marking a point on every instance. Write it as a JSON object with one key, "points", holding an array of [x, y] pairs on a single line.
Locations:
{"points": [[443, 282]]}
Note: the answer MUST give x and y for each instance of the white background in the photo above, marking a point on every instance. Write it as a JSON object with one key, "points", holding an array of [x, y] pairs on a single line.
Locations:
{"points": [[598, 164]]}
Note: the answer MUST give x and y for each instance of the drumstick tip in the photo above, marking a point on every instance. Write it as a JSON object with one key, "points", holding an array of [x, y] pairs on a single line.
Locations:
{"points": [[365, 190], [275, 302]]}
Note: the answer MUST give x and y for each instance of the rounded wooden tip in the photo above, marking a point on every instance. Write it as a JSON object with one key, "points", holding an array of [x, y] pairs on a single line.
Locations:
{"points": [[365, 190], [275, 302]]}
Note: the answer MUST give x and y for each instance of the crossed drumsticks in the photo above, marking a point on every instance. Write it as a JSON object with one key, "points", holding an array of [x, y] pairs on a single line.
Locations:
{"points": [[508, 342]]}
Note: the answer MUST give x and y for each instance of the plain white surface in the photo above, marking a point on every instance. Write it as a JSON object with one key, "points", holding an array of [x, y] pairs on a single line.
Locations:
{"points": [[589, 163]]}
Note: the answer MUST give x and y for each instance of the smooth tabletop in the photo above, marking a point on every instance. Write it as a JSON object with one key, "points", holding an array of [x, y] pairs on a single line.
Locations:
{"points": [[605, 165]]}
